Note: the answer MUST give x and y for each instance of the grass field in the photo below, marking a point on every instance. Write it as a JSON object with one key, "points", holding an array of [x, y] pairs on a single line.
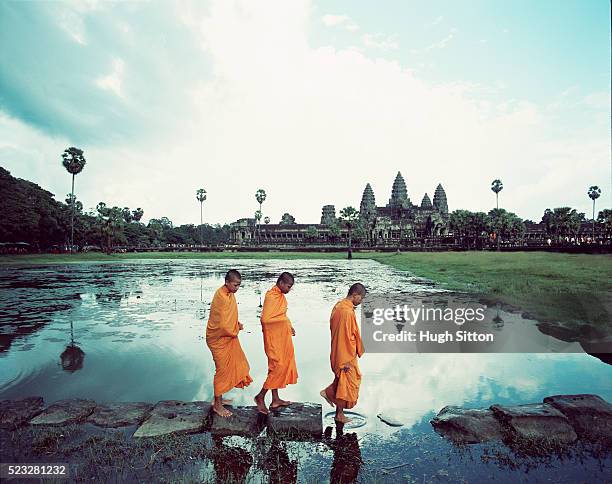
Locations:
{"points": [[552, 286]]}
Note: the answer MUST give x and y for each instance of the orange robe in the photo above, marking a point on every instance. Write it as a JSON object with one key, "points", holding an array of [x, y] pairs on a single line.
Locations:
{"points": [[346, 347], [231, 366], [278, 344]]}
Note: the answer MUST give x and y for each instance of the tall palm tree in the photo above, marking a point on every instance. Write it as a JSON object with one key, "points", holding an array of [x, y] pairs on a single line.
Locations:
{"points": [[349, 217], [497, 186], [594, 193], [74, 162], [258, 220], [260, 196], [200, 197]]}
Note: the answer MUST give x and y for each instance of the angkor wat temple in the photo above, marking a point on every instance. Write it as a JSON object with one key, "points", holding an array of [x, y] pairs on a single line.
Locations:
{"points": [[398, 219]]}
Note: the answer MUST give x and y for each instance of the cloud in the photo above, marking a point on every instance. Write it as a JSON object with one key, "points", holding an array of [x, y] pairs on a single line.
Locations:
{"points": [[442, 43], [258, 104], [112, 81], [343, 21], [379, 41]]}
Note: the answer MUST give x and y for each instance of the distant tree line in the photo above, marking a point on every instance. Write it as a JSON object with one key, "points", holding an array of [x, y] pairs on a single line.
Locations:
{"points": [[31, 214]]}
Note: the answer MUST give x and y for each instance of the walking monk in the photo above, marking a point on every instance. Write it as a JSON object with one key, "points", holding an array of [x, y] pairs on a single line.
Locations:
{"points": [[277, 333], [346, 346], [231, 366]]}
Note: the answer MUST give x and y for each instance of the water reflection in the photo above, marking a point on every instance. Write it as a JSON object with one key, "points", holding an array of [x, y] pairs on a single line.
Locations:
{"points": [[142, 324], [72, 357]]}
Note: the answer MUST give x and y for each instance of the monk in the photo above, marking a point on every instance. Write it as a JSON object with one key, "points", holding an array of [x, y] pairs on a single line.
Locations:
{"points": [[277, 333], [346, 347], [231, 366]]}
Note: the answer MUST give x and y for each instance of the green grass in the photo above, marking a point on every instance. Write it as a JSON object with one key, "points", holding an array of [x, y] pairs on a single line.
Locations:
{"points": [[551, 286]]}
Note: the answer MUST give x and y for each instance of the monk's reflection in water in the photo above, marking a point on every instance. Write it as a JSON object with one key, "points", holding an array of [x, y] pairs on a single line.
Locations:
{"points": [[278, 466], [347, 455], [232, 464]]}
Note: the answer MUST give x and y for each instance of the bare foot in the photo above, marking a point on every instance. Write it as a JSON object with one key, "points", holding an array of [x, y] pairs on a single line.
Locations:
{"points": [[343, 419], [324, 395], [261, 405], [222, 411], [280, 403]]}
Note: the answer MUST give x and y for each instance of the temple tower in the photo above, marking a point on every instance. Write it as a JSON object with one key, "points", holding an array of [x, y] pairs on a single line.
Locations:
{"points": [[367, 208], [328, 215], [399, 194], [439, 201], [426, 202]]}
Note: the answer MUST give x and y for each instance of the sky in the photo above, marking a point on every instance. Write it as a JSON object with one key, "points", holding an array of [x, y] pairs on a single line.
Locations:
{"points": [[309, 101]]}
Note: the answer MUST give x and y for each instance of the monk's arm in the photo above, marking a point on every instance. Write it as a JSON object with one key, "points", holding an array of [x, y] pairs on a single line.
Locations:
{"points": [[226, 326], [272, 313]]}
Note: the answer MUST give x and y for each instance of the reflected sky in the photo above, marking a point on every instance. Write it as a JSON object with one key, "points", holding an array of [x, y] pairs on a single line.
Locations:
{"points": [[141, 325]]}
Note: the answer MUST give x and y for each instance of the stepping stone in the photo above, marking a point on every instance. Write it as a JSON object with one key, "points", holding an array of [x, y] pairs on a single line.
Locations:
{"points": [[590, 415], [120, 414], [15, 413], [244, 421], [389, 420], [174, 417], [535, 421], [469, 426], [63, 412], [297, 421]]}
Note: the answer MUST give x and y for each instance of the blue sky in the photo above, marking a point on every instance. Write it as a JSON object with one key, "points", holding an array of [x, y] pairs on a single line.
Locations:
{"points": [[308, 100]]}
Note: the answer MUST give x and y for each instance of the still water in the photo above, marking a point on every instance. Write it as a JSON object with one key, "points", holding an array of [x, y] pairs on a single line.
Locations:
{"points": [[134, 331]]}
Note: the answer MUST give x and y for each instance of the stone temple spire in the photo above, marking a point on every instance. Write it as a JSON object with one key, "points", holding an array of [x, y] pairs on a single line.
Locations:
{"points": [[328, 215], [368, 202], [439, 201], [426, 202], [399, 194]]}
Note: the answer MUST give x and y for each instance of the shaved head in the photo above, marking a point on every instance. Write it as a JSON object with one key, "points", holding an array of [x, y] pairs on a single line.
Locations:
{"points": [[233, 275], [285, 277], [357, 288]]}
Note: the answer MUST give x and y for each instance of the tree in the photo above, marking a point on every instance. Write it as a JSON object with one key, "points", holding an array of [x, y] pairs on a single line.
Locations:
{"points": [[287, 219], [258, 221], [201, 196], [497, 186], [505, 224], [127, 215], [267, 220], [334, 231], [605, 217], [594, 193], [562, 221], [137, 214], [111, 223], [74, 162], [311, 233], [349, 216], [260, 196]]}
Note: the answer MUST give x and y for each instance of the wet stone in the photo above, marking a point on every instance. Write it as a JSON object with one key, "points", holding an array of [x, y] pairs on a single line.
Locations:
{"points": [[468, 426], [120, 414], [297, 420], [15, 413], [535, 421], [389, 420], [590, 415], [63, 412], [244, 421], [174, 417]]}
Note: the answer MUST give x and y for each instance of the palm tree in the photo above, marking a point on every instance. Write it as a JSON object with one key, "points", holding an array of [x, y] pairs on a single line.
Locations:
{"points": [[257, 221], [260, 196], [594, 193], [497, 186], [200, 197], [74, 162], [349, 216], [266, 220]]}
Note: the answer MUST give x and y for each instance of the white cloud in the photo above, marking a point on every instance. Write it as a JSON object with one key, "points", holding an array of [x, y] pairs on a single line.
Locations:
{"points": [[379, 41], [343, 21], [113, 81], [440, 44], [312, 125]]}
